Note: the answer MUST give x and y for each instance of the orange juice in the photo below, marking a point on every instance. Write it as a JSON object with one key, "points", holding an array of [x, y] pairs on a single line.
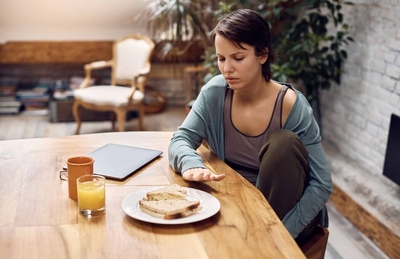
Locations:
{"points": [[91, 195]]}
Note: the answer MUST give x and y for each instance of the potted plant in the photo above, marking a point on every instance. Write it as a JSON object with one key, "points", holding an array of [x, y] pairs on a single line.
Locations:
{"points": [[178, 26]]}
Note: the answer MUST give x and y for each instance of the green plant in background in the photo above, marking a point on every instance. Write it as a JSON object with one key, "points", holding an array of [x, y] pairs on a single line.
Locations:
{"points": [[311, 45], [178, 24], [210, 57], [309, 36], [313, 49]]}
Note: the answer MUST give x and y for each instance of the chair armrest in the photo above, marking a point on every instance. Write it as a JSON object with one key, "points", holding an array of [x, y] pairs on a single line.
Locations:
{"points": [[93, 66], [86, 82], [98, 65], [144, 71], [130, 96]]}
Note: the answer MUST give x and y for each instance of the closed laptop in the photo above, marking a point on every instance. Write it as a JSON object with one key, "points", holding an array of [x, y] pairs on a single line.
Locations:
{"points": [[118, 162]]}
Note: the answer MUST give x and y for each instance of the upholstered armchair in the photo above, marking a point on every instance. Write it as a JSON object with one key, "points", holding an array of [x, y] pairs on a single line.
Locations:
{"points": [[130, 66]]}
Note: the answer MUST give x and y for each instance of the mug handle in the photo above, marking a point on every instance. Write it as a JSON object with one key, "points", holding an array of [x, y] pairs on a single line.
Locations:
{"points": [[64, 175]]}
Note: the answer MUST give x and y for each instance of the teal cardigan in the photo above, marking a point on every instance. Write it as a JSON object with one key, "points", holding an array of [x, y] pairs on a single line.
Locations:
{"points": [[204, 122]]}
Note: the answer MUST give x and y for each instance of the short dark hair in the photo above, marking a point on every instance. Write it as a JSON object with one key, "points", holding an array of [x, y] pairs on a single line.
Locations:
{"points": [[247, 26]]}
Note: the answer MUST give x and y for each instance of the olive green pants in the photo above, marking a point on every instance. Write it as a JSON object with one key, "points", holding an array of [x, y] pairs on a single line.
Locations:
{"points": [[284, 175]]}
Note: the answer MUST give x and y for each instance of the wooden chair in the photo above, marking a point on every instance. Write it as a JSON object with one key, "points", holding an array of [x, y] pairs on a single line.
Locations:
{"points": [[130, 66], [315, 247]]}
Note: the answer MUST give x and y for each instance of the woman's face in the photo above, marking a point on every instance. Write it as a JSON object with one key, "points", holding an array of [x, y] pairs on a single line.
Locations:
{"points": [[240, 67]]}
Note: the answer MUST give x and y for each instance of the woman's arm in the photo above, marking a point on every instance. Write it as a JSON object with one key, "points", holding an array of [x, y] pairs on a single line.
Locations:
{"points": [[182, 153], [202, 123]]}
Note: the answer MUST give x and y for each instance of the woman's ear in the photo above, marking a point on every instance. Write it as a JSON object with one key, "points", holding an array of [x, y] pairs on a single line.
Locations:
{"points": [[263, 58]]}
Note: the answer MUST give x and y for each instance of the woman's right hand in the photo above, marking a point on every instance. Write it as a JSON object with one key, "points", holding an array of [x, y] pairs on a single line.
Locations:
{"points": [[201, 175]]}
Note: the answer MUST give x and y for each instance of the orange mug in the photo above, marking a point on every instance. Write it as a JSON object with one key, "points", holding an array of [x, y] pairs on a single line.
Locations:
{"points": [[76, 167]]}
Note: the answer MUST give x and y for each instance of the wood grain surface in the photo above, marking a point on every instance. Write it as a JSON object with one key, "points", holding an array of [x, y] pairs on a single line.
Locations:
{"points": [[44, 52], [367, 223], [41, 52], [38, 220]]}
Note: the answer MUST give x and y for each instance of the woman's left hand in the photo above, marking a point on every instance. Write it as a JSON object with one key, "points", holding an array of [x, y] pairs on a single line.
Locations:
{"points": [[201, 175]]}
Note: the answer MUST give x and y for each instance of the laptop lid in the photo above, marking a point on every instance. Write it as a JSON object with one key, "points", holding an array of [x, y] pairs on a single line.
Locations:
{"points": [[391, 168], [118, 162]]}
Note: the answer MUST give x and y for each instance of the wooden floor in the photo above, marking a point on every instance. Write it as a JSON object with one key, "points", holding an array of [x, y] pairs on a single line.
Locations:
{"points": [[345, 241]]}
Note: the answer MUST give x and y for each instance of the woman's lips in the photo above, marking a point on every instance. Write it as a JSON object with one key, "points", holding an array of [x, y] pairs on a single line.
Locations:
{"points": [[231, 80]]}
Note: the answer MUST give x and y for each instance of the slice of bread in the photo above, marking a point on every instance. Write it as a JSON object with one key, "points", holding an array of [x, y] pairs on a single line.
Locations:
{"points": [[173, 216], [169, 207], [170, 192], [169, 203]]}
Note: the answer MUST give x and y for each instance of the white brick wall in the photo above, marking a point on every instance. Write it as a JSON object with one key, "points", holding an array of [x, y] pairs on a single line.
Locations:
{"points": [[370, 88], [356, 114]]}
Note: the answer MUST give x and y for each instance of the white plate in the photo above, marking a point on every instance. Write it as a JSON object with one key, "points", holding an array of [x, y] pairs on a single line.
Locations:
{"points": [[210, 206]]}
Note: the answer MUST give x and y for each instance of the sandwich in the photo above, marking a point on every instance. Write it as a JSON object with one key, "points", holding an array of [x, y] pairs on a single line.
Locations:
{"points": [[169, 203], [171, 192], [170, 209]]}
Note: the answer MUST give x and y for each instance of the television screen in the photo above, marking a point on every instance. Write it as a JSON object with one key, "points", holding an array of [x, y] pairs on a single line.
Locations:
{"points": [[391, 168]]}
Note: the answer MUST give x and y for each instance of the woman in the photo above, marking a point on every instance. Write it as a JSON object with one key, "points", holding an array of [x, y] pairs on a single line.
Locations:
{"points": [[261, 128]]}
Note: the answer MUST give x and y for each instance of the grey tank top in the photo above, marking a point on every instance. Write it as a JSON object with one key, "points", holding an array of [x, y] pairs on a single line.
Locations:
{"points": [[241, 151]]}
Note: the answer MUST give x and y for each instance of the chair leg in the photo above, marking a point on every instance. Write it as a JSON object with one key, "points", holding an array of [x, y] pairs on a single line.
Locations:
{"points": [[315, 247], [76, 113], [113, 121], [121, 117], [141, 118]]}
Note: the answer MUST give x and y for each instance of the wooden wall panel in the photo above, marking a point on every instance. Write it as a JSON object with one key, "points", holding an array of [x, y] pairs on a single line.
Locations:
{"points": [[44, 52], [380, 234], [40, 52]]}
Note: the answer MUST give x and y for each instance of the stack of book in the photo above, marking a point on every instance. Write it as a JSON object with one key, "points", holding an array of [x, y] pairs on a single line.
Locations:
{"points": [[34, 99], [8, 102]]}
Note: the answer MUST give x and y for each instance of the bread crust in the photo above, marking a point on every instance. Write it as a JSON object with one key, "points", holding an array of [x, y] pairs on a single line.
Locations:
{"points": [[169, 207], [173, 216]]}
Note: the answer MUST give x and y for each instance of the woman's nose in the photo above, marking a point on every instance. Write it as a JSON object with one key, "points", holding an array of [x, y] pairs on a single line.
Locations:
{"points": [[227, 67]]}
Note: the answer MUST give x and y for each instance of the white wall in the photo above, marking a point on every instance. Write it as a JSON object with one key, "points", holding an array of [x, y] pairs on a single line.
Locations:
{"points": [[356, 114], [25, 20]]}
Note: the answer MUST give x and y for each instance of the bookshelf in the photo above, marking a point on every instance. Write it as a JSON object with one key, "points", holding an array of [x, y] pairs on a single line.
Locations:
{"points": [[8, 102]]}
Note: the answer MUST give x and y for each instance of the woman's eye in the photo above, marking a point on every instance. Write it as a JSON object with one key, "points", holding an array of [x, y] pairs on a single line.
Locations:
{"points": [[223, 59]]}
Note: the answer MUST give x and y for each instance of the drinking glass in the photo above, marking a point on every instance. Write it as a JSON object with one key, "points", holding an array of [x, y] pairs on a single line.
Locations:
{"points": [[91, 195]]}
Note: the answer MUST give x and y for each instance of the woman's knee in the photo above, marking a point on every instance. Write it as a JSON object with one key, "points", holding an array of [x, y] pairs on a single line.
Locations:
{"points": [[281, 143]]}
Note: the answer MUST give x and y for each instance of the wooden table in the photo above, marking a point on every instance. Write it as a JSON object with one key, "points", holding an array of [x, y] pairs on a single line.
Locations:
{"points": [[38, 220]]}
